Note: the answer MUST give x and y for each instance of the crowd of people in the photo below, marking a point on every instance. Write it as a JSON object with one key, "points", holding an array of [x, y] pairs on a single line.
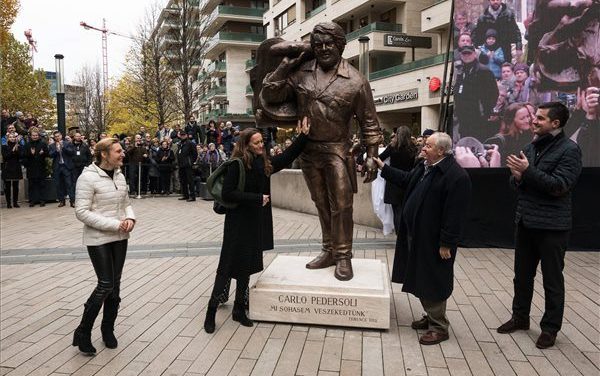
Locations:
{"points": [[499, 83], [177, 159]]}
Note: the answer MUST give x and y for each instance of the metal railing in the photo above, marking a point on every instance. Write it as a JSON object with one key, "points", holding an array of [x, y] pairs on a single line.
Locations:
{"points": [[240, 11], [407, 67], [250, 63], [315, 11], [375, 26]]}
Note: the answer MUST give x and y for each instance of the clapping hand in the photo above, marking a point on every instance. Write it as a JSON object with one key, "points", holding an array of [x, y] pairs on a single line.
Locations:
{"points": [[445, 253], [517, 165]]}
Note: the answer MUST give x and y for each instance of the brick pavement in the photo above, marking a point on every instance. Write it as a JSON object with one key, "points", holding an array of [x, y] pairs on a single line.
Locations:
{"points": [[165, 296]]}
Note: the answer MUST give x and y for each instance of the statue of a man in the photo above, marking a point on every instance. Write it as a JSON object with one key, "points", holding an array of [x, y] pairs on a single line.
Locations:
{"points": [[331, 93]]}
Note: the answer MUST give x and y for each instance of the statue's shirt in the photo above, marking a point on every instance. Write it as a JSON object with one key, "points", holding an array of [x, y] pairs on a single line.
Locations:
{"points": [[330, 106]]}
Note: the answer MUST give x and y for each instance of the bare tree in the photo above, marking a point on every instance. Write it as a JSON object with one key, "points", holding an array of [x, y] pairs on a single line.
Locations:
{"points": [[93, 116], [186, 59], [151, 71]]}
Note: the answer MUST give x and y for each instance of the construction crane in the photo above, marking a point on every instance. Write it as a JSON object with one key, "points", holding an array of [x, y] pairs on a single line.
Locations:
{"points": [[32, 44], [105, 33]]}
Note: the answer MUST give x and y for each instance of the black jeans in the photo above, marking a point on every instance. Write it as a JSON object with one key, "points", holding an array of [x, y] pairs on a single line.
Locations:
{"points": [[11, 191], [186, 179], [108, 260], [36, 190], [547, 246], [165, 181]]}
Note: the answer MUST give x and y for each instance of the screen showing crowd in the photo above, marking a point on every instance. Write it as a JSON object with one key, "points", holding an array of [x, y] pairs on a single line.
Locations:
{"points": [[512, 56]]}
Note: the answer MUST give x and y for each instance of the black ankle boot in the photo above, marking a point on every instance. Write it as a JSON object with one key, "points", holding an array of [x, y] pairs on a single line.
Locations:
{"points": [[239, 315], [111, 309], [209, 321], [83, 339]]}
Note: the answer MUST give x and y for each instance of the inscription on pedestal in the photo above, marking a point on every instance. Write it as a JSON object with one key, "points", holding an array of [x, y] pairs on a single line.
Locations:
{"points": [[288, 292]]}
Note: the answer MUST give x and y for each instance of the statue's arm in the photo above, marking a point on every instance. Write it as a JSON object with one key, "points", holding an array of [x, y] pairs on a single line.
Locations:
{"points": [[366, 115], [276, 89]]}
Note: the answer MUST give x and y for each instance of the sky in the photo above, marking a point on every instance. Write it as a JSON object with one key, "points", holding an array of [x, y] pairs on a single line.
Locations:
{"points": [[55, 27]]}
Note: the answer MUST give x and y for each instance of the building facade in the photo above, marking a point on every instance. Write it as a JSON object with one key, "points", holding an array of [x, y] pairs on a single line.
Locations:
{"points": [[406, 48], [235, 30]]}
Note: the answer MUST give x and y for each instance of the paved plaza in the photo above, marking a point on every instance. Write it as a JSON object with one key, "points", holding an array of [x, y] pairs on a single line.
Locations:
{"points": [[173, 254]]}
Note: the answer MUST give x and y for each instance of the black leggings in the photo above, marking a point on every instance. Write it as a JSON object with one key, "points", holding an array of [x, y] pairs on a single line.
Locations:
{"points": [[108, 260]]}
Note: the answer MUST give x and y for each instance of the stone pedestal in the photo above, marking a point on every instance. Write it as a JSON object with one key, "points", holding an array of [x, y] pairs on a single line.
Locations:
{"points": [[288, 292]]}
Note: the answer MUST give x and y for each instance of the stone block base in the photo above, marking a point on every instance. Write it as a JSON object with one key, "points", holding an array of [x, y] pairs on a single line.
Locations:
{"points": [[288, 292]]}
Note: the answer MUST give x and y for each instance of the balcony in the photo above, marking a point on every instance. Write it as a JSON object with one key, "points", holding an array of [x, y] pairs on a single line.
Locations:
{"points": [[315, 11], [225, 39], [217, 92], [249, 91], [222, 115], [217, 68], [223, 14], [403, 68], [250, 63], [374, 27], [436, 17]]}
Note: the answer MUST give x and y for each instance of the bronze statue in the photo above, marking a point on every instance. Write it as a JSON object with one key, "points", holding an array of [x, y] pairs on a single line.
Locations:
{"points": [[313, 80]]}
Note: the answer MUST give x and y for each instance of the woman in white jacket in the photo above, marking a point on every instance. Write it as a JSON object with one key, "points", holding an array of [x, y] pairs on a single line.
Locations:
{"points": [[102, 204]]}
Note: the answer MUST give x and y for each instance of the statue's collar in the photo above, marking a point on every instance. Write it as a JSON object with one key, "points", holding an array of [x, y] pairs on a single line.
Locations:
{"points": [[342, 70]]}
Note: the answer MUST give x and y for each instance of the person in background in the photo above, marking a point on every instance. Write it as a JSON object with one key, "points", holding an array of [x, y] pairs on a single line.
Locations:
{"points": [[494, 53], [186, 155], [104, 208], [165, 158], [62, 153], [82, 157], [500, 17], [402, 154], [137, 155], [153, 171], [517, 131], [11, 169], [35, 154]]}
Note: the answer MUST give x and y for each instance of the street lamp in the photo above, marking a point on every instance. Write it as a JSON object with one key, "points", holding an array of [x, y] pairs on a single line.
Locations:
{"points": [[60, 94], [363, 57]]}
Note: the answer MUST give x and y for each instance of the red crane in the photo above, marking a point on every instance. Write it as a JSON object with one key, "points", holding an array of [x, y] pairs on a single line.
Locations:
{"points": [[105, 33]]}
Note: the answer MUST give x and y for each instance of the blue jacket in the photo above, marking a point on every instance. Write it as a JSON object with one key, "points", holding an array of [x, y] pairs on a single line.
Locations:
{"points": [[67, 155], [495, 63]]}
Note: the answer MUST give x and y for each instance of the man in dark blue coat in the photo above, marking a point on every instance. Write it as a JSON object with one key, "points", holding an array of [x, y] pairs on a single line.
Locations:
{"points": [[544, 175], [62, 153], [436, 199]]}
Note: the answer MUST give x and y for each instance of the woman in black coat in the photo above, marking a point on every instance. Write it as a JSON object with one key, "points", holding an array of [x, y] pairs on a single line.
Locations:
{"points": [[165, 158], [248, 227], [11, 169], [402, 153], [34, 155]]}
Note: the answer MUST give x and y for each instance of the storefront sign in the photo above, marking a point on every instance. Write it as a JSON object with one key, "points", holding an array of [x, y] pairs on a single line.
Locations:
{"points": [[398, 97], [403, 40]]}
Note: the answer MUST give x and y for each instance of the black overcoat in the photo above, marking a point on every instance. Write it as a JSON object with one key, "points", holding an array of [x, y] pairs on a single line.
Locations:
{"points": [[249, 227], [438, 222], [11, 167], [36, 162]]}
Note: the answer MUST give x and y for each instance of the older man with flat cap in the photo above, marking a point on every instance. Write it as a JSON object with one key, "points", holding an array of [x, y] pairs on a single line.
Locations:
{"points": [[331, 93]]}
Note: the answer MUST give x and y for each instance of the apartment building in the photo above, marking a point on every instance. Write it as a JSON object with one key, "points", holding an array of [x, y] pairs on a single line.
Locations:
{"points": [[235, 29], [406, 45]]}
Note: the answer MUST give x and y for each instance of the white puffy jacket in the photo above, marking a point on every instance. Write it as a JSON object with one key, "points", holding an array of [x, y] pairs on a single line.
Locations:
{"points": [[101, 203]]}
